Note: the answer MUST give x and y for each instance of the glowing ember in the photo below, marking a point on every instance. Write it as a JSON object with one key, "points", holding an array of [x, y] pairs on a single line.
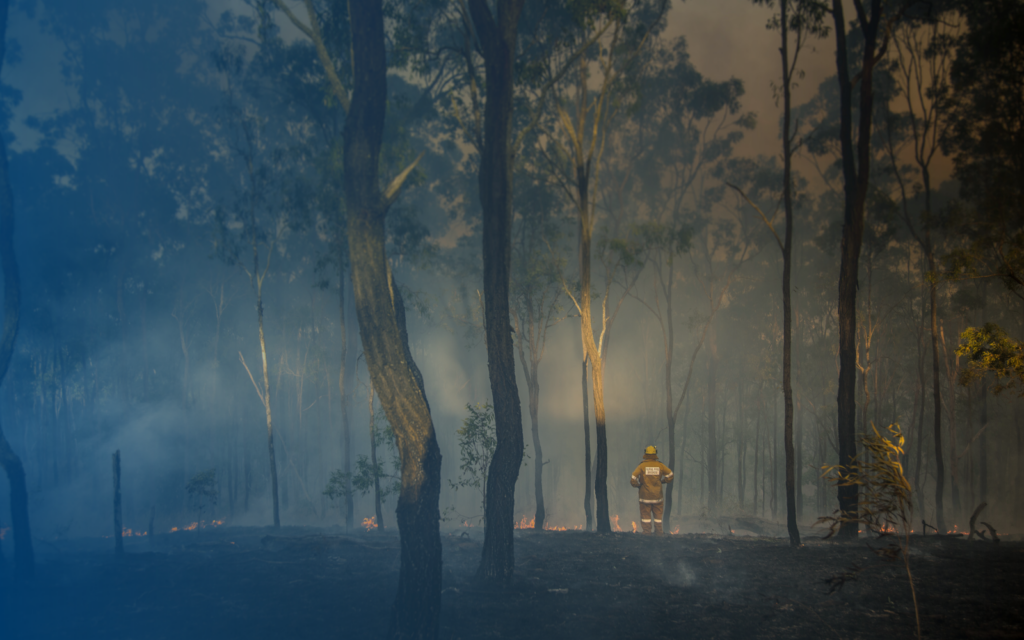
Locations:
{"points": [[370, 523], [198, 525], [523, 523]]}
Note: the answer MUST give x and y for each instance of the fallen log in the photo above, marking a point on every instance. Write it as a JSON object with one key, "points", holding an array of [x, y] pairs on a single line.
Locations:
{"points": [[992, 530], [974, 518]]}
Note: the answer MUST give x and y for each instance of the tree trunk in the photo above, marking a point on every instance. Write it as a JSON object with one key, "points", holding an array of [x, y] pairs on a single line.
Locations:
{"points": [[266, 390], [346, 429], [373, 462], [382, 329], [588, 494], [498, 41], [118, 527], [24, 557], [940, 469], [787, 304], [712, 442], [856, 171], [538, 462]]}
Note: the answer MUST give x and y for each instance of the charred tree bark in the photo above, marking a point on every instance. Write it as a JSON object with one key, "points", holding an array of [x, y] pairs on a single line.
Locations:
{"points": [[712, 453], [498, 43], [382, 329], [346, 428], [787, 270], [856, 165], [24, 557], [373, 462], [118, 527]]}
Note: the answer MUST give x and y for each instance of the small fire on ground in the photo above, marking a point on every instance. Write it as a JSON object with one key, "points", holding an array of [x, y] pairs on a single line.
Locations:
{"points": [[202, 524], [370, 523], [524, 524], [3, 533]]}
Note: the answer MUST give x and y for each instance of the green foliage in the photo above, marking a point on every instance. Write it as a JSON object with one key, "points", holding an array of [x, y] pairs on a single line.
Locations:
{"points": [[884, 506], [367, 474], [991, 350], [477, 440], [202, 491]]}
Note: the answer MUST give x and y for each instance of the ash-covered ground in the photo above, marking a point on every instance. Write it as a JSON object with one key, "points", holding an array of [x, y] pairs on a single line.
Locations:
{"points": [[241, 582]]}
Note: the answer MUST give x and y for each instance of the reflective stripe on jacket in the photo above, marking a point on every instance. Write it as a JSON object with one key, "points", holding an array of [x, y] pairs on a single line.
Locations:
{"points": [[649, 476]]}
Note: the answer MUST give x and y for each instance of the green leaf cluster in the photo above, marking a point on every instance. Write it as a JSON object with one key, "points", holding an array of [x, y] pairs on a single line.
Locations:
{"points": [[991, 350]]}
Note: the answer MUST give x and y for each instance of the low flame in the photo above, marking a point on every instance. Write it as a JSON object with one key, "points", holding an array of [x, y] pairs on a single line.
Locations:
{"points": [[127, 533], [370, 523], [202, 524], [634, 526], [523, 523], [615, 523], [3, 533], [675, 531]]}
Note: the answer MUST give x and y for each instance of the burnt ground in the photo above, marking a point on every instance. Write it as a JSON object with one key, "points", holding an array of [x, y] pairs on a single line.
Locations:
{"points": [[308, 583]]}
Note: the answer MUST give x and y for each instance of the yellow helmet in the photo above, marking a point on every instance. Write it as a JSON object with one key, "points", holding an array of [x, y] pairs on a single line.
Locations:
{"points": [[651, 450]]}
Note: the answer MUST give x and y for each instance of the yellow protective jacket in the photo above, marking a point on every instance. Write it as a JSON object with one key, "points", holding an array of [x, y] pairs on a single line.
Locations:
{"points": [[649, 477]]}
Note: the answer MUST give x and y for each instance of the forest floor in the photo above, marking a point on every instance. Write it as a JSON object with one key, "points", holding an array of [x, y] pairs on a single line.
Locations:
{"points": [[242, 582]]}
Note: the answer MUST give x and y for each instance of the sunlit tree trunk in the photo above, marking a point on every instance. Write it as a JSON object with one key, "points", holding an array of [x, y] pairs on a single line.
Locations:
{"points": [[373, 462], [266, 379], [588, 495], [382, 328]]}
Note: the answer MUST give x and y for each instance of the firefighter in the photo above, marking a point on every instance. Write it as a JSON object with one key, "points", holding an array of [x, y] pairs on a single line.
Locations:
{"points": [[649, 477]]}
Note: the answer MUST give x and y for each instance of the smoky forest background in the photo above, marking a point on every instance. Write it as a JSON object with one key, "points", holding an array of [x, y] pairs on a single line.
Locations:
{"points": [[177, 174]]}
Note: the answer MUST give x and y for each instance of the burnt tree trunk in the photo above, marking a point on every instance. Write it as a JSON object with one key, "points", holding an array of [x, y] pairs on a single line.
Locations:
{"points": [[346, 428], [378, 512], [712, 440], [382, 329], [538, 453], [787, 302], [24, 557], [498, 43], [118, 527], [856, 164]]}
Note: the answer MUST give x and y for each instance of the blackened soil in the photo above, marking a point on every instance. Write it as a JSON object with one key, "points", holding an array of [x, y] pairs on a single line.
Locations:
{"points": [[304, 583]]}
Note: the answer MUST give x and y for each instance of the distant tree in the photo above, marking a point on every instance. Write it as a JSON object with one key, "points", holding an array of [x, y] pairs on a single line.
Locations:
{"points": [[24, 558], [856, 163], [381, 310], [371, 472], [612, 37], [257, 223], [991, 351], [684, 128], [986, 133], [477, 443], [202, 492], [805, 20], [536, 292]]}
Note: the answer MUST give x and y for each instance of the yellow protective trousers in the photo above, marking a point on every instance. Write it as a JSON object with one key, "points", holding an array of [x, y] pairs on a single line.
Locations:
{"points": [[649, 509]]}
